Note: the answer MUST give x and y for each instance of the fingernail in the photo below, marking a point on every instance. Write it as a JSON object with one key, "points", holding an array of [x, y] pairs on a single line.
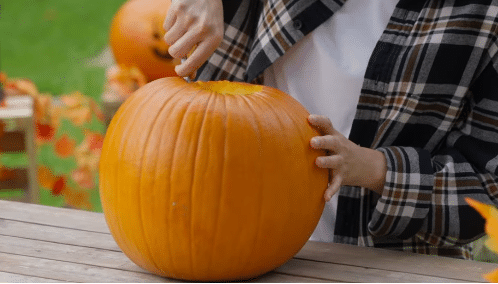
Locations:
{"points": [[315, 142], [177, 69]]}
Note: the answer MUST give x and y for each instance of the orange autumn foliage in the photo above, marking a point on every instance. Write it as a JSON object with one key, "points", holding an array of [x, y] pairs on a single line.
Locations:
{"points": [[83, 177], [78, 199], [87, 154], [19, 87], [490, 214], [59, 186], [46, 178], [44, 132], [64, 146], [95, 141], [75, 110], [121, 82]]}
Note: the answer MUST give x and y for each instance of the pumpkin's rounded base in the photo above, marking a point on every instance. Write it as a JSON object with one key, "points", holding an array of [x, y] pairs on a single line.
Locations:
{"points": [[208, 184]]}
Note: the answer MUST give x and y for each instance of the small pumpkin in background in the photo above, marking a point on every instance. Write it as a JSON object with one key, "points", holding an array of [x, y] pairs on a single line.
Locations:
{"points": [[210, 181], [136, 38]]}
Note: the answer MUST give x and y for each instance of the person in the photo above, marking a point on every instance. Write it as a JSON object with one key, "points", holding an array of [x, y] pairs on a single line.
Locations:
{"points": [[425, 126]]}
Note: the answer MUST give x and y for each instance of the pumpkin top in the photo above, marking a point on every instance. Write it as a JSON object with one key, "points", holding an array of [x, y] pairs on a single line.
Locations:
{"points": [[229, 88]]}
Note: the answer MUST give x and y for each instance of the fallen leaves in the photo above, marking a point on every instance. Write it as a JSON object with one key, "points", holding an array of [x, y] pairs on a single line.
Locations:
{"points": [[490, 214]]}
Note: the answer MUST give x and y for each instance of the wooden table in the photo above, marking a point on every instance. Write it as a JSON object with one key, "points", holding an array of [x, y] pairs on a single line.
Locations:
{"points": [[47, 244]]}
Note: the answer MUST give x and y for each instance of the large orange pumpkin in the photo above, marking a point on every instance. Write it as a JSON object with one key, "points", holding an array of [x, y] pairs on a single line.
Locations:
{"points": [[210, 181], [136, 38]]}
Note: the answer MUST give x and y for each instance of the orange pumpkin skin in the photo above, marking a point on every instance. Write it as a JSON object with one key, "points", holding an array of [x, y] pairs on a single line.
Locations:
{"points": [[136, 38], [205, 186]]}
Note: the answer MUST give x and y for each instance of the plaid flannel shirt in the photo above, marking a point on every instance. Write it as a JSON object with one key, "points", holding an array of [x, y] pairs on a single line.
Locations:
{"points": [[429, 102]]}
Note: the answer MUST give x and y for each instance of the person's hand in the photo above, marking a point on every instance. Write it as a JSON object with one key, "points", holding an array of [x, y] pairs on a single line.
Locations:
{"points": [[349, 164], [193, 24]]}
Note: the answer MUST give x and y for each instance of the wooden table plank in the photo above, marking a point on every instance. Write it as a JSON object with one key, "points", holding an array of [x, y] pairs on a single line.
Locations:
{"points": [[348, 273], [71, 271], [117, 260], [390, 260], [273, 277], [75, 245], [90, 252], [58, 217], [6, 277], [69, 253], [57, 235], [75, 255]]}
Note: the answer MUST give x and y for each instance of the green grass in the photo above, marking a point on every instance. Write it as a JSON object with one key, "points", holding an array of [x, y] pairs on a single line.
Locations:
{"points": [[49, 42]]}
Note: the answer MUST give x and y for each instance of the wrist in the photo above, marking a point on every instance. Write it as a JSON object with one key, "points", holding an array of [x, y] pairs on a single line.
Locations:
{"points": [[375, 166]]}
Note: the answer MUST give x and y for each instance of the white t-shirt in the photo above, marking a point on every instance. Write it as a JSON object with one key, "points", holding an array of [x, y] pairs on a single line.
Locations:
{"points": [[325, 72]]}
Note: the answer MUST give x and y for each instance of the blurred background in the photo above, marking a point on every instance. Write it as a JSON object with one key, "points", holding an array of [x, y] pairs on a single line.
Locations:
{"points": [[55, 51], [51, 42]]}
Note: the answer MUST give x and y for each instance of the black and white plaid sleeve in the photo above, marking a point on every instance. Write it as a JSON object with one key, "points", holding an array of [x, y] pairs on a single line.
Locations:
{"points": [[438, 123]]}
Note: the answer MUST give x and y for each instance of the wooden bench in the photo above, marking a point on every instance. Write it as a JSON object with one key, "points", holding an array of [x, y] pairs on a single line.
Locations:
{"points": [[18, 137]]}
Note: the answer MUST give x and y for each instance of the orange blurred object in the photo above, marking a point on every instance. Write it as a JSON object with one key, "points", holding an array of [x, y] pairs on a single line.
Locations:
{"points": [[490, 214], [83, 176], [121, 82], [64, 147], [45, 177], [136, 38], [59, 186]]}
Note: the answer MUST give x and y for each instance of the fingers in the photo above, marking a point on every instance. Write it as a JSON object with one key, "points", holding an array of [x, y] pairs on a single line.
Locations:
{"points": [[201, 53], [175, 32], [334, 164], [169, 21], [329, 162], [183, 45], [322, 124], [333, 188], [193, 25], [327, 142], [330, 143]]}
